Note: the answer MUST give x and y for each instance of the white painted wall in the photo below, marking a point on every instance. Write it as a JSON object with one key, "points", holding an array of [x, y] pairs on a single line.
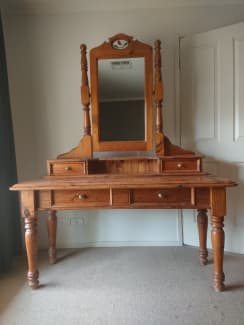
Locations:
{"points": [[43, 63]]}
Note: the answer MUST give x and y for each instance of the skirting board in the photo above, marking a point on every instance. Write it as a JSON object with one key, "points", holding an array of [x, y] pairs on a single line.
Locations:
{"points": [[124, 244]]}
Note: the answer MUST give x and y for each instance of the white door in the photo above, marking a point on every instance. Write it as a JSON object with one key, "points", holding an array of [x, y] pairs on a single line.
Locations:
{"points": [[212, 118]]}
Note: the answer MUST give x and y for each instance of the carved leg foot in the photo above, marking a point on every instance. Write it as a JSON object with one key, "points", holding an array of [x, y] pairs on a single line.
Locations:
{"points": [[52, 230], [218, 237], [32, 278], [202, 223], [31, 248], [218, 282]]}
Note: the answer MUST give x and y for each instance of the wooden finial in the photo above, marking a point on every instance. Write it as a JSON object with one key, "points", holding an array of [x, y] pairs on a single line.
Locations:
{"points": [[85, 95]]}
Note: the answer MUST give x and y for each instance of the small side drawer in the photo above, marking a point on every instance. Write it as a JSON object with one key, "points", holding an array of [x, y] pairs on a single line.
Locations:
{"points": [[81, 198], [176, 165], [160, 196], [66, 168]]}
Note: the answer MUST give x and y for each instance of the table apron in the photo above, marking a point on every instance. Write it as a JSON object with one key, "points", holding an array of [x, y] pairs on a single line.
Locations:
{"points": [[137, 198]]}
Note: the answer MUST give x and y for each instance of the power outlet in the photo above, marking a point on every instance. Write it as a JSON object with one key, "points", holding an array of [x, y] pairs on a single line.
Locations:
{"points": [[65, 220], [78, 220]]}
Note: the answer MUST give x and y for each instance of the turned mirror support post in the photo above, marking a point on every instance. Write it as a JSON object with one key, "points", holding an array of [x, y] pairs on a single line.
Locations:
{"points": [[158, 99], [158, 88], [85, 95], [163, 146], [84, 148]]}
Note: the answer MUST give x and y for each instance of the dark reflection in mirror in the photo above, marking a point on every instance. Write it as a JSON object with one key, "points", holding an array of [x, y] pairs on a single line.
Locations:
{"points": [[121, 99]]}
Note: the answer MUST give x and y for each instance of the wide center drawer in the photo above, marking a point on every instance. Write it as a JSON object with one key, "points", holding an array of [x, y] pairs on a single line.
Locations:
{"points": [[160, 196], [81, 198]]}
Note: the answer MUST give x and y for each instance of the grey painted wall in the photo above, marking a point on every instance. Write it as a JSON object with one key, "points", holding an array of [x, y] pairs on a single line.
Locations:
{"points": [[44, 74]]}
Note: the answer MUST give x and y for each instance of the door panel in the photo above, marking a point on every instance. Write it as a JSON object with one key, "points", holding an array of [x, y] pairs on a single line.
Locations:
{"points": [[212, 117]]}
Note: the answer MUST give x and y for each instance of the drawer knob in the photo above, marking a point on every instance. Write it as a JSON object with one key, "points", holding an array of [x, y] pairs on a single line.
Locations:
{"points": [[67, 168], [82, 196], [179, 165], [160, 195]]}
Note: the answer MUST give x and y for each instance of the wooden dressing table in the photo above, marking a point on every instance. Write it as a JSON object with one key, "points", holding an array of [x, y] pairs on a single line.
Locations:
{"points": [[122, 98]]}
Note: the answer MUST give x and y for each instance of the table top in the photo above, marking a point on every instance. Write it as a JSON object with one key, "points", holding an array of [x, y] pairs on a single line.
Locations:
{"points": [[124, 181]]}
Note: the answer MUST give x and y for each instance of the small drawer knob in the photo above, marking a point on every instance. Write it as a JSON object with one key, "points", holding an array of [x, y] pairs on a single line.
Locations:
{"points": [[160, 195], [179, 165], [67, 168], [82, 196]]}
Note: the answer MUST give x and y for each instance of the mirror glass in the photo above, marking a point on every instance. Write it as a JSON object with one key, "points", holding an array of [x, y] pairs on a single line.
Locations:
{"points": [[121, 99]]}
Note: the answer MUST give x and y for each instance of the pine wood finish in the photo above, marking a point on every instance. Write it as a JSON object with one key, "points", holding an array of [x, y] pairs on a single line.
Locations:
{"points": [[135, 49], [116, 191], [29, 213], [170, 178], [218, 205], [202, 222]]}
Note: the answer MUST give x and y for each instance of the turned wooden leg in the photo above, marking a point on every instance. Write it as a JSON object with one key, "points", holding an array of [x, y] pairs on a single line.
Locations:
{"points": [[31, 248], [52, 230], [202, 223], [218, 237]]}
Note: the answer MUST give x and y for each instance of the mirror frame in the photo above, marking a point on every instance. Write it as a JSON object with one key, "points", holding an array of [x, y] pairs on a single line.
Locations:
{"points": [[134, 49]]}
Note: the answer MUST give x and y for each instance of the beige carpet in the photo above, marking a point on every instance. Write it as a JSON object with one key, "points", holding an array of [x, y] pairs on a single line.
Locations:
{"points": [[103, 286]]}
